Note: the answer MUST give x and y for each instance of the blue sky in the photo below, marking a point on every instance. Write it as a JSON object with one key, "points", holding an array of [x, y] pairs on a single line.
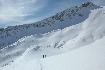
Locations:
{"points": [[17, 12]]}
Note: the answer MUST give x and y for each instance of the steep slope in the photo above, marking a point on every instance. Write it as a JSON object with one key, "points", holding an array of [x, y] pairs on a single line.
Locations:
{"points": [[90, 57], [61, 20], [58, 41]]}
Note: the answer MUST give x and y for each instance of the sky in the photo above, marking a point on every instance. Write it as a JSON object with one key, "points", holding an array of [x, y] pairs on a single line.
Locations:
{"points": [[18, 12]]}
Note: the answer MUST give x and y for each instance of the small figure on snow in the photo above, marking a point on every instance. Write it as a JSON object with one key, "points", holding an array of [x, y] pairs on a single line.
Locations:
{"points": [[44, 56]]}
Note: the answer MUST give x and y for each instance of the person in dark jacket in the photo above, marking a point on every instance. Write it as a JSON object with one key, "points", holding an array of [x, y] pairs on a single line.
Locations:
{"points": [[44, 56]]}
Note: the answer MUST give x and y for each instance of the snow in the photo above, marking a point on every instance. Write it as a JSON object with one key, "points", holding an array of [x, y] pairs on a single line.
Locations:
{"points": [[77, 47], [90, 57], [91, 29], [23, 64], [61, 20]]}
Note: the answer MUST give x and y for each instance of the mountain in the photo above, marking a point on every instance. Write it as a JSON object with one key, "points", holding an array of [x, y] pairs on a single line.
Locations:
{"points": [[77, 47], [61, 20]]}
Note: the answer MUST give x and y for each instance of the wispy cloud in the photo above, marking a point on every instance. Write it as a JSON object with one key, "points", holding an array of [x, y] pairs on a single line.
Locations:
{"points": [[18, 10]]}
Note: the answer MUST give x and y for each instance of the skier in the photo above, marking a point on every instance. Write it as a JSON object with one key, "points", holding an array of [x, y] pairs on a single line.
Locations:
{"points": [[44, 56]]}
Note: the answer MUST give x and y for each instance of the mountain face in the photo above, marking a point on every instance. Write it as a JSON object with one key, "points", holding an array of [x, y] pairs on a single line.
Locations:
{"points": [[83, 44], [61, 20]]}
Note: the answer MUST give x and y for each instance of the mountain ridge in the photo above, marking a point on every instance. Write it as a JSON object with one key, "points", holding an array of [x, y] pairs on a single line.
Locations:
{"points": [[61, 20], [85, 36]]}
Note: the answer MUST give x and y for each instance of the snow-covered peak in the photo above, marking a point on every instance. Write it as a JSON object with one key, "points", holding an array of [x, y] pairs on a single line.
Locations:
{"points": [[61, 20], [89, 34]]}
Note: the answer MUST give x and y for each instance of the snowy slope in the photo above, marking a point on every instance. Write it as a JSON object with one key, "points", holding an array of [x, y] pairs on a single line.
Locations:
{"points": [[61, 20], [29, 50], [90, 57]]}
